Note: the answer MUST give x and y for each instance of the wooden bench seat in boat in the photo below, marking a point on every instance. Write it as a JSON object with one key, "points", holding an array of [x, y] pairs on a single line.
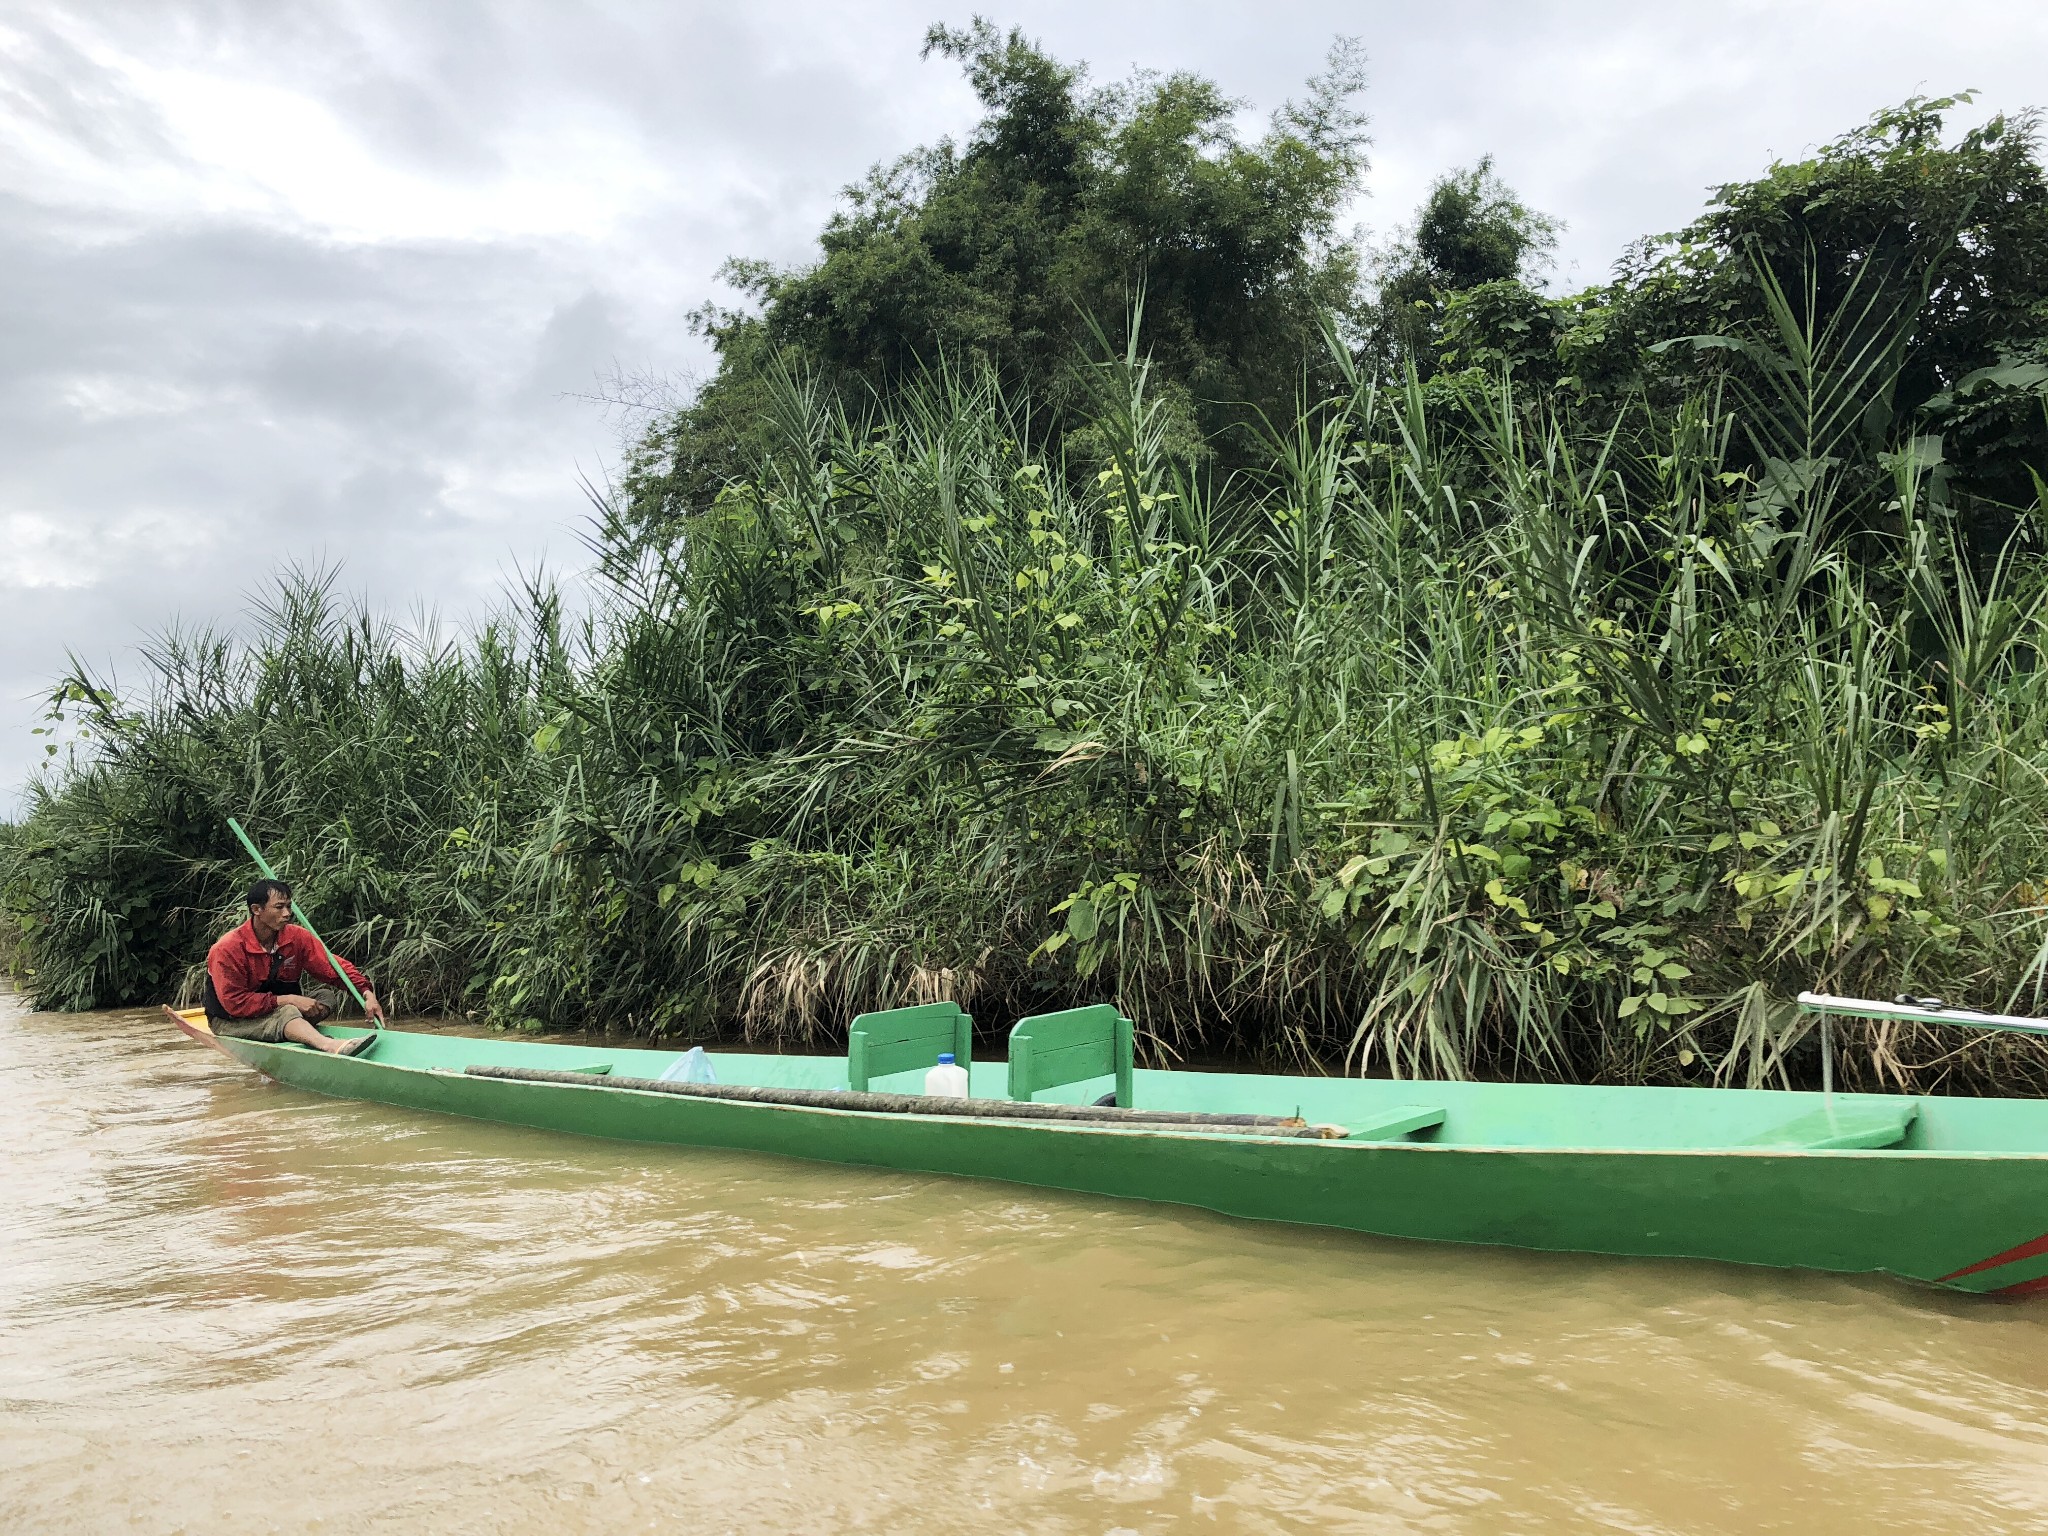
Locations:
{"points": [[1844, 1126], [1050, 1050], [906, 1039], [1392, 1124]]}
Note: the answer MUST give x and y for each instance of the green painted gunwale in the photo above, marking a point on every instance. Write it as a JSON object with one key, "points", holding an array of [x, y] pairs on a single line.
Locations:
{"points": [[1641, 1172]]}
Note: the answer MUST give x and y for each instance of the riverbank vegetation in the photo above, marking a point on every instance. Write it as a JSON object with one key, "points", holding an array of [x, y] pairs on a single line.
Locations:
{"points": [[1094, 578]]}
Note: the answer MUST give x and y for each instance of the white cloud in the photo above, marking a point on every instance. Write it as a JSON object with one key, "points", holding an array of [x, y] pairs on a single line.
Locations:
{"points": [[52, 550], [269, 148], [101, 397]]}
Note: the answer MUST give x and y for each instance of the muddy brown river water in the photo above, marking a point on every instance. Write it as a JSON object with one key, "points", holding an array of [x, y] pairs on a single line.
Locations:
{"points": [[227, 1306]]}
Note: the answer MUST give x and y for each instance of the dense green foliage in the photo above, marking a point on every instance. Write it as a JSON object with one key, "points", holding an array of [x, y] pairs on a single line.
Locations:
{"points": [[1063, 206], [1471, 232], [1557, 703], [1928, 260]]}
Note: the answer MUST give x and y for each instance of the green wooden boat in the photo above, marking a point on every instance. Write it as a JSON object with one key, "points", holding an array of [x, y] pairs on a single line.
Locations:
{"points": [[1949, 1191]]}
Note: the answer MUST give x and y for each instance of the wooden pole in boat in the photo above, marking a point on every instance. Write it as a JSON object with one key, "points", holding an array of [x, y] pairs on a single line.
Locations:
{"points": [[1093, 1116], [299, 912]]}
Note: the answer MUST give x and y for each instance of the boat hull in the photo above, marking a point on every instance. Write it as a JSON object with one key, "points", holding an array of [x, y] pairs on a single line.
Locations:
{"points": [[1970, 1220]]}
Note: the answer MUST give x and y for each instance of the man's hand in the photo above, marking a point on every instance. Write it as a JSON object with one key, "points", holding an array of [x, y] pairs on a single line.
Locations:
{"points": [[373, 1008], [312, 1009]]}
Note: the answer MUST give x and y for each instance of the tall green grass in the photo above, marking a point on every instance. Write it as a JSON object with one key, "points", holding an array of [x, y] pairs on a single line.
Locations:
{"points": [[1461, 738]]}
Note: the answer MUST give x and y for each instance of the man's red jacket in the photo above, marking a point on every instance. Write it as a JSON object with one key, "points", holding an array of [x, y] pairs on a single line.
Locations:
{"points": [[244, 979]]}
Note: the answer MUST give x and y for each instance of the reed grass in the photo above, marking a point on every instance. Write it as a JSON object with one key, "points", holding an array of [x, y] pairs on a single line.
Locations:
{"points": [[1463, 737]]}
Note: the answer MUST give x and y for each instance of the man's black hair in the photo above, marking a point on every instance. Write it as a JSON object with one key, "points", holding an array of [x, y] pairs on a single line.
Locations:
{"points": [[261, 892]]}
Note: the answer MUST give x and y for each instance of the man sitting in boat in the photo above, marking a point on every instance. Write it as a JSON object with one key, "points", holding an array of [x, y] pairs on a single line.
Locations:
{"points": [[256, 985]]}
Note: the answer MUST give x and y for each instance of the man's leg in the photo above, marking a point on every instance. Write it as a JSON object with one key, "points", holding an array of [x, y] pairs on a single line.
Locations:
{"points": [[297, 1029], [283, 1022]]}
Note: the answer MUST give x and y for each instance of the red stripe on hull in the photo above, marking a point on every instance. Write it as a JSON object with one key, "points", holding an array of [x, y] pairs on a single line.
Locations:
{"points": [[2032, 1250]]}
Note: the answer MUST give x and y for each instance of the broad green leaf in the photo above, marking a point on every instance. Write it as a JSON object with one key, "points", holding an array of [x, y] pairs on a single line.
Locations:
{"points": [[1081, 919]]}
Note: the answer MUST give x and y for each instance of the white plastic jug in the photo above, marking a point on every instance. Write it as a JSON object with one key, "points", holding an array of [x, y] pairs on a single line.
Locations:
{"points": [[947, 1080]]}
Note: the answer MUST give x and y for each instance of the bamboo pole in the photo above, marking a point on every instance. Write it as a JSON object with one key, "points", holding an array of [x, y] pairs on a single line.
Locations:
{"points": [[925, 1104]]}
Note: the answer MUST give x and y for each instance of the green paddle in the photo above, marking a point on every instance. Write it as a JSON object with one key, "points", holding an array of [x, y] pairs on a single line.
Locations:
{"points": [[299, 912]]}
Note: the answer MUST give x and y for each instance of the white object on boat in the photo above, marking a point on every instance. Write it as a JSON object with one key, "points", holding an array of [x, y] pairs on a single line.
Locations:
{"points": [[948, 1080], [692, 1067]]}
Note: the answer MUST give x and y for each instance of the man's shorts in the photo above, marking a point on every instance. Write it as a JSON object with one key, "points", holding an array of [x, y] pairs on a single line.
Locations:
{"points": [[269, 1027]]}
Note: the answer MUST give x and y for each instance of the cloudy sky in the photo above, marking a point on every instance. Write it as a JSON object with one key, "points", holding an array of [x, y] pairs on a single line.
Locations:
{"points": [[285, 281]]}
